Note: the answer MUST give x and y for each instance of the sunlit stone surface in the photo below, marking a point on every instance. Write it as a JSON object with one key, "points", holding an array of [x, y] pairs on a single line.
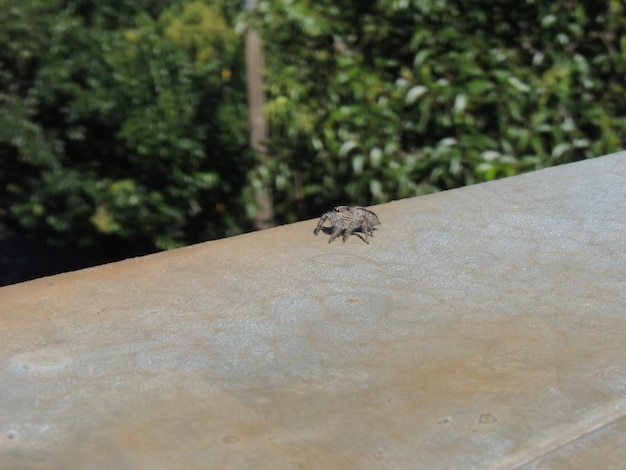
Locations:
{"points": [[481, 328]]}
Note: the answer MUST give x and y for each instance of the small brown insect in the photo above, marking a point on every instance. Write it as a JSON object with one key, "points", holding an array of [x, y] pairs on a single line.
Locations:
{"points": [[348, 220]]}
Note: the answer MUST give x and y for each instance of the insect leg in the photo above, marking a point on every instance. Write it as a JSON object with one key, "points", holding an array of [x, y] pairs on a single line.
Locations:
{"points": [[335, 234], [320, 223]]}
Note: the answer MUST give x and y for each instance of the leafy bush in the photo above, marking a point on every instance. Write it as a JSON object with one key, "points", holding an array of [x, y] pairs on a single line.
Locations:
{"points": [[134, 129], [378, 100]]}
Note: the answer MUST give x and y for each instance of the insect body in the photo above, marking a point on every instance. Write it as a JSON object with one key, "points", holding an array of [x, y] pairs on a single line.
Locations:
{"points": [[348, 220]]}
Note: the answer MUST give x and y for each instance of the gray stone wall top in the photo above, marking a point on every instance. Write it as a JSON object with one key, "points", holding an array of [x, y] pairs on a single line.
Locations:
{"points": [[480, 328]]}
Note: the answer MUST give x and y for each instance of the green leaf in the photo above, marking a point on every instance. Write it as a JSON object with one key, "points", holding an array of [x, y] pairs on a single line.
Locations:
{"points": [[415, 93]]}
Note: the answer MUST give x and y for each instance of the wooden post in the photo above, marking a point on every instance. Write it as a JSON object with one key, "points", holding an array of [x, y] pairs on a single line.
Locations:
{"points": [[257, 122]]}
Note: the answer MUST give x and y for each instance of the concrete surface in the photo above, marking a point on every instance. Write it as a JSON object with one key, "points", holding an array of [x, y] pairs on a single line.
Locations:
{"points": [[481, 328]]}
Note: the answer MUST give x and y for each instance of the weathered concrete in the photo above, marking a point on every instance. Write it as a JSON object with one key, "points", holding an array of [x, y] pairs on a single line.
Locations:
{"points": [[482, 328]]}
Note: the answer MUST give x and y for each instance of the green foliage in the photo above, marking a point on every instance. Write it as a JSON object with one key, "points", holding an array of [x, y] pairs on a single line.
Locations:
{"points": [[115, 127], [372, 101], [129, 121]]}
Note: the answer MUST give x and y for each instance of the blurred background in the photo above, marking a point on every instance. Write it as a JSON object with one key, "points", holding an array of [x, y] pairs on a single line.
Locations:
{"points": [[129, 127]]}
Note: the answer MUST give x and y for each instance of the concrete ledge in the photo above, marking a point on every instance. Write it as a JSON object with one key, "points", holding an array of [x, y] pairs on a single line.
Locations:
{"points": [[481, 328]]}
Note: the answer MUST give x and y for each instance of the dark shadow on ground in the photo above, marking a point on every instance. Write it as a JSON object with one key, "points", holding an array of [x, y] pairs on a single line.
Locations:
{"points": [[22, 260]]}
